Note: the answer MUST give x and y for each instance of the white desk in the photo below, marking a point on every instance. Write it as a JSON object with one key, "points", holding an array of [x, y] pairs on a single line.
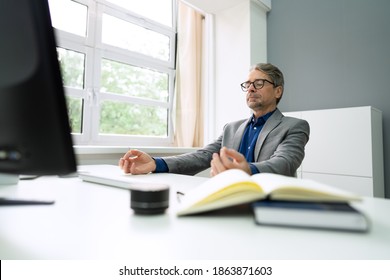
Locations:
{"points": [[90, 221]]}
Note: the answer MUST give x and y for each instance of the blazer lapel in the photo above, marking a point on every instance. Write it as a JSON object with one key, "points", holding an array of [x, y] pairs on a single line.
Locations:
{"points": [[239, 134], [271, 123]]}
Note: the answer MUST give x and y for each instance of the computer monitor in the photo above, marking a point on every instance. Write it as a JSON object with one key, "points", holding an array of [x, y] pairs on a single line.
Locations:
{"points": [[35, 136]]}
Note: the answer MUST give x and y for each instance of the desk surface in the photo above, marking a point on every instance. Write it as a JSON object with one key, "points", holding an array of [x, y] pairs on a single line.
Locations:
{"points": [[91, 221]]}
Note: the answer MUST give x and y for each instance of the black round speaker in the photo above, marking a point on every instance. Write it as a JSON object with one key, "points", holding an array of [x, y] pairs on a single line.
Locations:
{"points": [[149, 199]]}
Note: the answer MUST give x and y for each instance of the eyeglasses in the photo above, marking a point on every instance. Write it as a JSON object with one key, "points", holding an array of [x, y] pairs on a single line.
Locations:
{"points": [[257, 84]]}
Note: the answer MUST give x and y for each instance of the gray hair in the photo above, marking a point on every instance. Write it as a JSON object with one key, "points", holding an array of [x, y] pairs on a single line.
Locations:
{"points": [[273, 72]]}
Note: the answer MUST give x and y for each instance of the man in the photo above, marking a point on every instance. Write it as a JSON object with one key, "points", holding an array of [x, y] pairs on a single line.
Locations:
{"points": [[266, 142]]}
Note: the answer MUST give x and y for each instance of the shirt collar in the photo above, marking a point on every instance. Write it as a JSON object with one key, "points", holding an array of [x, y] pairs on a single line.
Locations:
{"points": [[261, 120]]}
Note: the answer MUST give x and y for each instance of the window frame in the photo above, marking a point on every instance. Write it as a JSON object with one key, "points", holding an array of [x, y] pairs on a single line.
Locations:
{"points": [[95, 50]]}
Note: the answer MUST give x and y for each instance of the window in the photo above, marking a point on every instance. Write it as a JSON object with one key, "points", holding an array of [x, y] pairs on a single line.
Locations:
{"points": [[117, 60]]}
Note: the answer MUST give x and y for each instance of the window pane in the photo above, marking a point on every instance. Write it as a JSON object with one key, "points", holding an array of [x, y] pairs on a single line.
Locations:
{"points": [[157, 10], [69, 16], [133, 81], [72, 67], [131, 119], [132, 37], [75, 112]]}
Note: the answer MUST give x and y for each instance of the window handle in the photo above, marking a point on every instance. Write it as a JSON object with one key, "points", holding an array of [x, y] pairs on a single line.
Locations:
{"points": [[92, 97]]}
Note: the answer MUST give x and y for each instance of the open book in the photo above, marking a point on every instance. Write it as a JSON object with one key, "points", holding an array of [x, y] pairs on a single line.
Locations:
{"points": [[234, 187]]}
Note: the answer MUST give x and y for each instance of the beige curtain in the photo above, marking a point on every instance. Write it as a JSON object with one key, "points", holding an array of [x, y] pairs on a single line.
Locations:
{"points": [[189, 115]]}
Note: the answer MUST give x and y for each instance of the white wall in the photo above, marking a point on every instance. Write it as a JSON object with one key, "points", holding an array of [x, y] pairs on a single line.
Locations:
{"points": [[240, 41], [232, 59], [258, 31]]}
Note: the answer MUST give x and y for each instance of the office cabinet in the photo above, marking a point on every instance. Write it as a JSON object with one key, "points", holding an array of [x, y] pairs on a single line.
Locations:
{"points": [[345, 149]]}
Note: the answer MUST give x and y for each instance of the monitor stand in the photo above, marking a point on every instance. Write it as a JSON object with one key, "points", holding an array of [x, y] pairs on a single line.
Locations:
{"points": [[12, 179]]}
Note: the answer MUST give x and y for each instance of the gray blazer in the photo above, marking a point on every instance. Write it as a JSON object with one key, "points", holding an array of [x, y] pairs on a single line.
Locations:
{"points": [[280, 147]]}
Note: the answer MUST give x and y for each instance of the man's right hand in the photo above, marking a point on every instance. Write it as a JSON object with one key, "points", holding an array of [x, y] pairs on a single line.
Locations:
{"points": [[228, 159], [137, 162]]}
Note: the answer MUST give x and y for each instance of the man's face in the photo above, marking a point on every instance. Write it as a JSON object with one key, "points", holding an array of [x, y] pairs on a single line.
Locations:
{"points": [[262, 100]]}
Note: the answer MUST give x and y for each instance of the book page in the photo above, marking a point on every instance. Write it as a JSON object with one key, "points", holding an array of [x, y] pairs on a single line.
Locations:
{"points": [[224, 201], [227, 183], [284, 187]]}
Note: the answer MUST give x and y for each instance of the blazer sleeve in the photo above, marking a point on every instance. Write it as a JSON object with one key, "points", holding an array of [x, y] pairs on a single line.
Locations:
{"points": [[195, 162]]}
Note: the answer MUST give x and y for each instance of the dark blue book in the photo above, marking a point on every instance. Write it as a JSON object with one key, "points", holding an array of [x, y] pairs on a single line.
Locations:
{"points": [[322, 215]]}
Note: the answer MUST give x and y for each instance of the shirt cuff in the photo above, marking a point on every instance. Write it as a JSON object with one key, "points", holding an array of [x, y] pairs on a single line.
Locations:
{"points": [[254, 169], [161, 165]]}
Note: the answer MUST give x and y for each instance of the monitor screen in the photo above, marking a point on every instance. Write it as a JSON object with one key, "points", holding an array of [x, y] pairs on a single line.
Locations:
{"points": [[35, 134]]}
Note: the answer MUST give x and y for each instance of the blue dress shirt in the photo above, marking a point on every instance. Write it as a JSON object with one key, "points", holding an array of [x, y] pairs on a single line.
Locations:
{"points": [[248, 142], [161, 165]]}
